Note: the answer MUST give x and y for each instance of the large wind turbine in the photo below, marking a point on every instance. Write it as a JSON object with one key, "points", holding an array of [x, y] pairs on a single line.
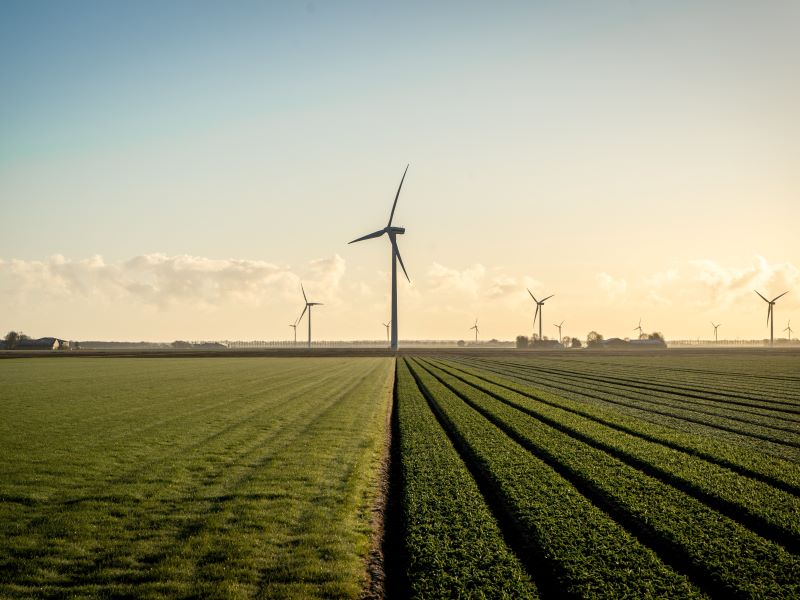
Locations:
{"points": [[387, 325], [789, 329], [770, 313], [307, 307], [639, 327], [715, 330], [392, 232], [539, 311], [559, 330], [475, 327]]}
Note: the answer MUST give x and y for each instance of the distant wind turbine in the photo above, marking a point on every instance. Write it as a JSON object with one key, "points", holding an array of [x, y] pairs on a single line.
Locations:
{"points": [[639, 327], [294, 326], [392, 232], [789, 329], [387, 325], [475, 327], [770, 313], [539, 311], [715, 330], [308, 308], [559, 330]]}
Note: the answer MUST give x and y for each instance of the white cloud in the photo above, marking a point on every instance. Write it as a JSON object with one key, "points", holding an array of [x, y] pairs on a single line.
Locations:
{"points": [[444, 279], [163, 281], [614, 288], [727, 285]]}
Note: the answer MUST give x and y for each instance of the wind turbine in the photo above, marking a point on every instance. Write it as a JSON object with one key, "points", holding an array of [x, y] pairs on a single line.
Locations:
{"points": [[475, 327], [559, 330], [770, 313], [294, 326], [789, 329], [715, 330], [387, 325], [392, 232], [539, 311], [308, 308], [639, 327]]}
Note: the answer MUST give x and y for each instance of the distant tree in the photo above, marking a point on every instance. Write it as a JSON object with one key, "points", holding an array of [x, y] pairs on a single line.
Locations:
{"points": [[534, 338], [575, 343], [180, 344], [522, 341], [13, 338], [656, 335], [461, 343], [593, 339]]}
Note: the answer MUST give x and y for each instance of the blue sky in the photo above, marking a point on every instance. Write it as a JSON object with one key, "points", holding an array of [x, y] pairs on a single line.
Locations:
{"points": [[276, 132]]}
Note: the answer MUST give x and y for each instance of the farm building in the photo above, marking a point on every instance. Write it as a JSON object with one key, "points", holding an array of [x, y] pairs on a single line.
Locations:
{"points": [[45, 343]]}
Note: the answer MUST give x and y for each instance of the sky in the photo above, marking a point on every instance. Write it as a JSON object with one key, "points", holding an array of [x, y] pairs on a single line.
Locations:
{"points": [[174, 170]]}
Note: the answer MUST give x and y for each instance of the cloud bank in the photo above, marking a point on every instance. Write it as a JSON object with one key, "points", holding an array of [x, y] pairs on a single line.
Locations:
{"points": [[164, 281]]}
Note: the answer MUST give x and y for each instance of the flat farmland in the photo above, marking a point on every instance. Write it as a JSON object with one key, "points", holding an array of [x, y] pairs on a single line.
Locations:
{"points": [[200, 477], [510, 475], [653, 475]]}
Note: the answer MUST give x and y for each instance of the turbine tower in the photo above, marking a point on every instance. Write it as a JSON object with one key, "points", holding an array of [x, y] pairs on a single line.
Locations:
{"points": [[307, 307], [771, 313], [539, 311], [392, 232], [559, 330], [715, 330], [639, 327], [387, 325], [475, 327], [789, 329], [294, 326]]}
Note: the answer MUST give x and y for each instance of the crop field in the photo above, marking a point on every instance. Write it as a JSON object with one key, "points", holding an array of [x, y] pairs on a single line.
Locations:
{"points": [[583, 476], [510, 475], [201, 477]]}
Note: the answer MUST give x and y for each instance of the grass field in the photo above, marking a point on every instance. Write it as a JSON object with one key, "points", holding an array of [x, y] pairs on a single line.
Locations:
{"points": [[189, 477], [612, 476], [513, 475]]}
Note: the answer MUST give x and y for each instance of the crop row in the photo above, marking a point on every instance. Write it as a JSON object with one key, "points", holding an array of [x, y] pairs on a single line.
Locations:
{"points": [[764, 375], [687, 533], [711, 384], [776, 426], [723, 405], [769, 511], [582, 551], [769, 441], [453, 544], [779, 473]]}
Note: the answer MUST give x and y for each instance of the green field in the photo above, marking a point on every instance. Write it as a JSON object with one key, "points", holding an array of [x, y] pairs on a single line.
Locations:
{"points": [[512, 475], [610, 476], [189, 477]]}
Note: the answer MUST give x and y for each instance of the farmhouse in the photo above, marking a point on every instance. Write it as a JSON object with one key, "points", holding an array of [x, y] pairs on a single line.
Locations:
{"points": [[45, 343]]}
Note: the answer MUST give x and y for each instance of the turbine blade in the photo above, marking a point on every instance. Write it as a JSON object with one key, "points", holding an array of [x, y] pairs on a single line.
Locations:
{"points": [[550, 296], [769, 313], [400, 258], [305, 308], [369, 236], [532, 296], [783, 294], [762, 297], [536, 314], [391, 216], [304, 293]]}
